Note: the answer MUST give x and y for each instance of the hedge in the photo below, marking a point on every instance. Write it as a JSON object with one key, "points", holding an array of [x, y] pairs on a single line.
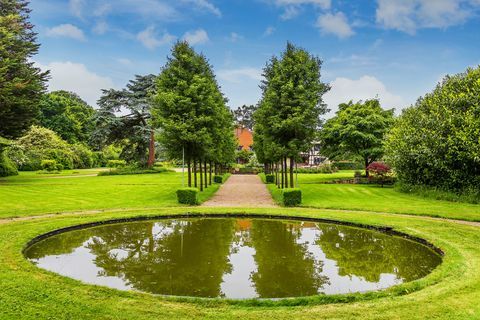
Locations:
{"points": [[270, 178], [292, 197], [188, 196]]}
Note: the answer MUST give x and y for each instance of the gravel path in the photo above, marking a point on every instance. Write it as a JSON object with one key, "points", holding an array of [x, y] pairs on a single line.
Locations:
{"points": [[246, 191]]}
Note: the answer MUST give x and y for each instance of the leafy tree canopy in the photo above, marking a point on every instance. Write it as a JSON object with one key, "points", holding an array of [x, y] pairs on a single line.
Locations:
{"points": [[68, 115], [244, 116], [21, 83], [123, 119], [436, 141], [357, 131]]}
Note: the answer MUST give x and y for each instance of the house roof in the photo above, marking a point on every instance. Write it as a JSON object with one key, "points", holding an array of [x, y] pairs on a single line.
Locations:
{"points": [[244, 137]]}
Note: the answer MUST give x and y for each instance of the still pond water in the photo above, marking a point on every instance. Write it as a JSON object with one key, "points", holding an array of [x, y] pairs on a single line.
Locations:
{"points": [[234, 257]]}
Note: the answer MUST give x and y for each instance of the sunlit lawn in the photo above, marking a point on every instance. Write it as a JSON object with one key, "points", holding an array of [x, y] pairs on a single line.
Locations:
{"points": [[32, 194]]}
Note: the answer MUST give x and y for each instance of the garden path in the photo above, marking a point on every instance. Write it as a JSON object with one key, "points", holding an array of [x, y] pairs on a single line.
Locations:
{"points": [[246, 191]]}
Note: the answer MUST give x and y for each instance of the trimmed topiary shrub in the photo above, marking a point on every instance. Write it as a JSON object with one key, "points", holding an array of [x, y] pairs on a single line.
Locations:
{"points": [[188, 196], [292, 197], [218, 179], [270, 178]]}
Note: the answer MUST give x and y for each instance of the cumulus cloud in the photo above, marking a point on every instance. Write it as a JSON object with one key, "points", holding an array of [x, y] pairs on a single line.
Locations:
{"points": [[76, 77], [336, 24], [100, 27], [366, 87], [68, 31], [199, 36], [410, 15], [150, 40], [240, 85]]}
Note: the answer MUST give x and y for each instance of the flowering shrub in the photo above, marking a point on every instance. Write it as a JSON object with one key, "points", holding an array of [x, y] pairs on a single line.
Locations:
{"points": [[380, 173]]}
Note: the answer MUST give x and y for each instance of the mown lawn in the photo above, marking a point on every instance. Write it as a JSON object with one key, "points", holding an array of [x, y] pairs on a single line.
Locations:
{"points": [[452, 291], [318, 194], [32, 194]]}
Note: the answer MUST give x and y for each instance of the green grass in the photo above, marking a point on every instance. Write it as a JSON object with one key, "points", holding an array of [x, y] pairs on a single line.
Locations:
{"points": [[317, 193], [34, 194], [452, 291]]}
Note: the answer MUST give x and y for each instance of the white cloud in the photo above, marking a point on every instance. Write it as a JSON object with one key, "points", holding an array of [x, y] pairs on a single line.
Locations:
{"points": [[199, 36], [293, 7], [66, 30], [102, 9], [240, 74], [269, 31], [205, 5], [234, 37], [366, 87], [150, 40], [100, 27], [335, 24], [76, 7], [410, 15], [76, 77]]}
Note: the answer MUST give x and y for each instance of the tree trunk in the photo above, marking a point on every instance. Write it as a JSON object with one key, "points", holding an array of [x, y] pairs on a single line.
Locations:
{"points": [[281, 173], [367, 174], [277, 180], [210, 173], [195, 172], [286, 172], [201, 174], [292, 183], [205, 173], [151, 150], [189, 173]]}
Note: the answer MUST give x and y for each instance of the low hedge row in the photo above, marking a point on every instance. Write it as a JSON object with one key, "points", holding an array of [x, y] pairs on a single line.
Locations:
{"points": [[292, 197], [188, 196]]}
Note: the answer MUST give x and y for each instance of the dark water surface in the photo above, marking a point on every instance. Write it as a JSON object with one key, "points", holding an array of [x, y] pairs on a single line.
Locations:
{"points": [[234, 257]]}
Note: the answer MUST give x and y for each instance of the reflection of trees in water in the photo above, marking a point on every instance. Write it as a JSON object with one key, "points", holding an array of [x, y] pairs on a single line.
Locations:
{"points": [[64, 243], [190, 258], [368, 254], [284, 267]]}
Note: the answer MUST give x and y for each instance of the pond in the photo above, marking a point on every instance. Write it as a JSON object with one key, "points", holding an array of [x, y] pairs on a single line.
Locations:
{"points": [[234, 257]]}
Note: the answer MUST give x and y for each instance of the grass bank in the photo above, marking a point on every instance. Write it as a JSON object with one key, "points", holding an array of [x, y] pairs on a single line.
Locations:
{"points": [[452, 291], [318, 193], [34, 194]]}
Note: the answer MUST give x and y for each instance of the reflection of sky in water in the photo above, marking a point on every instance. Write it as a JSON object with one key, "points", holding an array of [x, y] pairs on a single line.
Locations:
{"points": [[241, 260]]}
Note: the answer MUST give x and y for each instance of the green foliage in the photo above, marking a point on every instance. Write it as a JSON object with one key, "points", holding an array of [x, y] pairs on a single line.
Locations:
{"points": [[244, 155], [188, 196], [357, 130], [132, 170], [292, 197], [218, 179], [435, 143], [349, 165], [68, 115], [7, 166], [116, 163], [324, 168], [191, 111], [51, 165], [289, 113], [83, 157], [131, 132], [21, 83], [244, 116], [270, 178], [40, 144]]}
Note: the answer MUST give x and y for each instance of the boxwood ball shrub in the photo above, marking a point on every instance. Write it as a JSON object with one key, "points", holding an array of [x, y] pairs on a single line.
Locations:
{"points": [[49, 165], [188, 196], [218, 179], [292, 197], [270, 178]]}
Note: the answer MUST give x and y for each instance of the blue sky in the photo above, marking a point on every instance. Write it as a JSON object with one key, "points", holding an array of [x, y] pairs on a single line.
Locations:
{"points": [[394, 49]]}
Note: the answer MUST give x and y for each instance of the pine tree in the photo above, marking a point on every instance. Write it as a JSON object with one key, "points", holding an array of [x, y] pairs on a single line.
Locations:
{"points": [[21, 83]]}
